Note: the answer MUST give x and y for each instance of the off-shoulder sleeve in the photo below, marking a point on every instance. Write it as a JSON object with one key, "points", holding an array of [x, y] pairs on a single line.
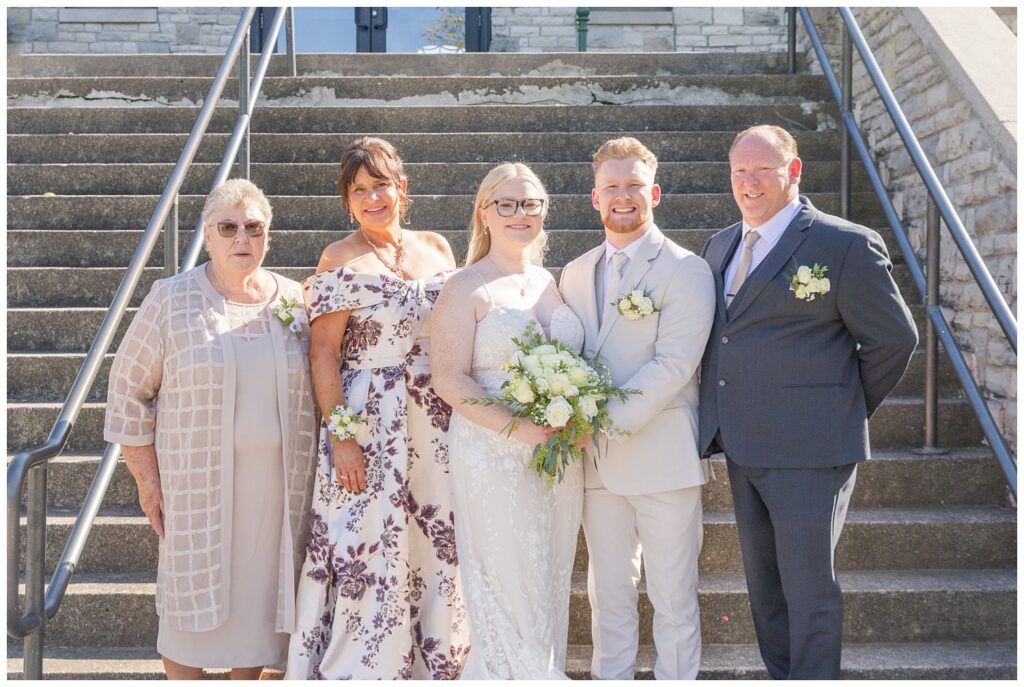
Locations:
{"points": [[342, 289], [136, 374]]}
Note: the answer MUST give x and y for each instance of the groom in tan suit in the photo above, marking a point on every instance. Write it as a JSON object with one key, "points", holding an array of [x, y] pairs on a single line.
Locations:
{"points": [[643, 494]]}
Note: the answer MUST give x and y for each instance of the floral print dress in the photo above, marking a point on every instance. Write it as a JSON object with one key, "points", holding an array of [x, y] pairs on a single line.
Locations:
{"points": [[379, 592]]}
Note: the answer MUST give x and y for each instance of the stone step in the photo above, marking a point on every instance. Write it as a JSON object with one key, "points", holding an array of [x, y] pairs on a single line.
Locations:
{"points": [[896, 424], [391, 120], [279, 178], [909, 606], [47, 377], [446, 148], [112, 248], [921, 661], [52, 286], [891, 479], [72, 330], [372, 91], [386, 64], [950, 537], [435, 212]]}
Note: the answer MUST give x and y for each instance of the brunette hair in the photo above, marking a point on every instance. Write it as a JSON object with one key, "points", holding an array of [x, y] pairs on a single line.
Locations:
{"points": [[380, 160], [479, 239]]}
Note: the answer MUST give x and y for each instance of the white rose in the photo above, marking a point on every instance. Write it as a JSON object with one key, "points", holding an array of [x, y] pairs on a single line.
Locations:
{"points": [[824, 285], [631, 315], [550, 360], [544, 349], [571, 391], [559, 383], [588, 406], [568, 359], [803, 274], [801, 292], [558, 412], [523, 393], [578, 375], [646, 308], [636, 296], [542, 384], [624, 305], [531, 363]]}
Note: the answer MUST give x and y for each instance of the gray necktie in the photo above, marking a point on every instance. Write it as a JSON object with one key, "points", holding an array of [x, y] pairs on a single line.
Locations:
{"points": [[741, 271], [618, 267]]}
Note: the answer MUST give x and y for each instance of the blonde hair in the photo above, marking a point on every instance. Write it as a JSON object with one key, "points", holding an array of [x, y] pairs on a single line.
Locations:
{"points": [[479, 239], [235, 193], [623, 149], [786, 142]]}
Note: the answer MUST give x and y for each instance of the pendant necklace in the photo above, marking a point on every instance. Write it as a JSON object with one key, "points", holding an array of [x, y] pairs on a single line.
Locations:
{"points": [[523, 287], [398, 266]]}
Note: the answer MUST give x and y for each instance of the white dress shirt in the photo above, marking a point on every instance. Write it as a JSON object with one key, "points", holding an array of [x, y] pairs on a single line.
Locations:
{"points": [[771, 231], [610, 250]]}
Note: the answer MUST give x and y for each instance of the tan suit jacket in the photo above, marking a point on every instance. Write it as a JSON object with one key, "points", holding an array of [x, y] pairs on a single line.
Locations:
{"points": [[659, 354]]}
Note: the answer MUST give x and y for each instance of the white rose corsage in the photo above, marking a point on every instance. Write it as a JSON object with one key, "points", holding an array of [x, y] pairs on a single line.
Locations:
{"points": [[809, 282], [287, 311], [343, 422], [636, 305]]}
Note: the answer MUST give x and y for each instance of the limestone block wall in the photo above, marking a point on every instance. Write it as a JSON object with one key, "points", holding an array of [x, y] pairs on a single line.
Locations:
{"points": [[127, 30], [972, 150], [647, 29]]}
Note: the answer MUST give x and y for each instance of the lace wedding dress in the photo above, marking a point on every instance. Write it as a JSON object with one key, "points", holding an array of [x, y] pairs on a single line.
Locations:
{"points": [[516, 537]]}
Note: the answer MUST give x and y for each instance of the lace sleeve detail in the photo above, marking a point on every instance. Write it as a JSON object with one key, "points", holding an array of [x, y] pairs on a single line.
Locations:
{"points": [[341, 289], [136, 374]]}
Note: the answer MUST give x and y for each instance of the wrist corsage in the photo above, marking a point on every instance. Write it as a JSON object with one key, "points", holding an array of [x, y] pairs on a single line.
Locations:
{"points": [[636, 305], [808, 282], [343, 422], [287, 311]]}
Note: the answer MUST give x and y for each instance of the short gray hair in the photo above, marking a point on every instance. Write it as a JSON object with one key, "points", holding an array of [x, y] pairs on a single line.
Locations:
{"points": [[234, 193]]}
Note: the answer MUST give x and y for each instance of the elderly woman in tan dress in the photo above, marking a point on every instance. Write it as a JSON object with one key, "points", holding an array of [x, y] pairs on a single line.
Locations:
{"points": [[211, 401]]}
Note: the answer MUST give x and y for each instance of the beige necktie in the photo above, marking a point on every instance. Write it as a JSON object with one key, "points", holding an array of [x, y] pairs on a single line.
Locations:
{"points": [[741, 271], [618, 267]]}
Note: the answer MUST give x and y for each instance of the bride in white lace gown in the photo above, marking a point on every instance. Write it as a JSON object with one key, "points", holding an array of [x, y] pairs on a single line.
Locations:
{"points": [[516, 538]]}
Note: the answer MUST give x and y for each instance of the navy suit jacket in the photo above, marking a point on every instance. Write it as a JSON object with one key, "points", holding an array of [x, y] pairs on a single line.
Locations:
{"points": [[791, 383]]}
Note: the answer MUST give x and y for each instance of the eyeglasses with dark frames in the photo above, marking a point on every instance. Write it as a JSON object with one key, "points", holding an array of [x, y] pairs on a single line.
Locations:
{"points": [[507, 207], [229, 230]]}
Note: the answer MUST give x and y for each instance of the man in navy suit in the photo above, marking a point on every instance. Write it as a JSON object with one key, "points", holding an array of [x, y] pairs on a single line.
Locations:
{"points": [[810, 335]]}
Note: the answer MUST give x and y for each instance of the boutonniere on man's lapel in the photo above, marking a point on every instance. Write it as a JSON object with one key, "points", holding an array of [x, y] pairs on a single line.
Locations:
{"points": [[287, 311], [808, 282], [636, 305]]}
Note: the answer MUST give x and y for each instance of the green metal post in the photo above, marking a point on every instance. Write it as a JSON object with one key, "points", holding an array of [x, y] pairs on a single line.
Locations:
{"points": [[582, 18]]}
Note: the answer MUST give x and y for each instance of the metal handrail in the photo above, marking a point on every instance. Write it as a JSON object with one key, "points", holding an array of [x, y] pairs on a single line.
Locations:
{"points": [[31, 466], [938, 326]]}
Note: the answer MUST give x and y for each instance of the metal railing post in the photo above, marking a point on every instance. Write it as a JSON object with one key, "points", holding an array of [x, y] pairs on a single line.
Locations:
{"points": [[243, 108], [844, 141], [289, 40], [931, 339], [582, 19], [791, 39], [35, 564], [171, 240]]}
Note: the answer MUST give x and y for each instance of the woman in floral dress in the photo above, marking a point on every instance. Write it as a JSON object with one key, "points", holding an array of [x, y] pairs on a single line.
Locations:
{"points": [[379, 593]]}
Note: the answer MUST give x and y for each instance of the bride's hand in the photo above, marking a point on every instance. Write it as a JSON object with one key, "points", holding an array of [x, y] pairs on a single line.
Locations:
{"points": [[530, 434]]}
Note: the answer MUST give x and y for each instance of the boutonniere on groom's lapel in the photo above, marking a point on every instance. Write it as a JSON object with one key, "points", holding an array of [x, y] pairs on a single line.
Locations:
{"points": [[808, 282], [287, 311], [636, 305]]}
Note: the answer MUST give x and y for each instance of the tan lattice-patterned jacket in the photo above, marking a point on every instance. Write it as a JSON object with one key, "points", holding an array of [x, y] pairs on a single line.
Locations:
{"points": [[173, 384]]}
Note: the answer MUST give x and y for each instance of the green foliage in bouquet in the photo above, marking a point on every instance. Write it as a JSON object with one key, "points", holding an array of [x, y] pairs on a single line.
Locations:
{"points": [[553, 387]]}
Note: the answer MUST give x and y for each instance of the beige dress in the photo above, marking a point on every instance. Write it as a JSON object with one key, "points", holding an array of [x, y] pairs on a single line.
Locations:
{"points": [[248, 637]]}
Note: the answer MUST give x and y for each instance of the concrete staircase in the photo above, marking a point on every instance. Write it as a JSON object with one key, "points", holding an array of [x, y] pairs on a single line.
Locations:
{"points": [[928, 558]]}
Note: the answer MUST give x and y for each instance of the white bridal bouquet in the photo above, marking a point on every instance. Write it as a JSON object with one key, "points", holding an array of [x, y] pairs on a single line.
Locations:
{"points": [[552, 386]]}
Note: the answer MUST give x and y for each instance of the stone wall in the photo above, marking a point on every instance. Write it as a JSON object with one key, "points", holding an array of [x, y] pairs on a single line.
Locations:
{"points": [[967, 146], [655, 29], [127, 30]]}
